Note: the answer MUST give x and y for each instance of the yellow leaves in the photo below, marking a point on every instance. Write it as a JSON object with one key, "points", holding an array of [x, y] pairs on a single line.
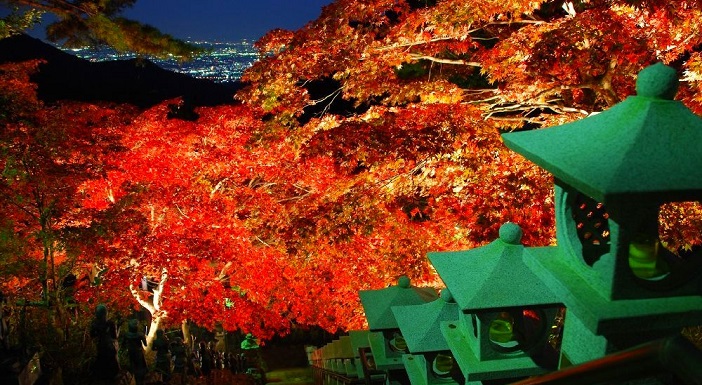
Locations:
{"points": [[693, 71], [327, 122], [443, 93]]}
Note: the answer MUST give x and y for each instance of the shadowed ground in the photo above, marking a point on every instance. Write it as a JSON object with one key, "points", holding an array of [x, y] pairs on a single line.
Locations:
{"points": [[296, 376]]}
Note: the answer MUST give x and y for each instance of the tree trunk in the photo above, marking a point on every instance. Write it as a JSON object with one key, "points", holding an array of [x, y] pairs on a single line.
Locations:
{"points": [[187, 338], [154, 307], [155, 324]]}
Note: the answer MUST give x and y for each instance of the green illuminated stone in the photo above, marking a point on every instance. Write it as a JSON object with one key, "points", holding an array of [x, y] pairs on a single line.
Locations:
{"points": [[627, 161], [485, 277], [377, 303], [657, 81], [420, 324], [490, 283], [511, 233]]}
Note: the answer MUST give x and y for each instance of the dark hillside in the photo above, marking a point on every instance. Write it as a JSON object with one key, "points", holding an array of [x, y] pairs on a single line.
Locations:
{"points": [[136, 81]]}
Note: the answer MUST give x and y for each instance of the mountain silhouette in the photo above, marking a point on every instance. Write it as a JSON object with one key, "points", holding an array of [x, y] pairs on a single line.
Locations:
{"points": [[135, 81]]}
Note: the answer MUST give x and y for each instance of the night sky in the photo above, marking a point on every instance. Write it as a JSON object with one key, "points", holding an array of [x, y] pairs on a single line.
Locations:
{"points": [[225, 20], [219, 20]]}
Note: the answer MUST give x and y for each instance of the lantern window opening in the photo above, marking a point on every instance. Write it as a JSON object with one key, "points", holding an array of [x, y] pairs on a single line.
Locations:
{"points": [[555, 335], [396, 342], [655, 253], [518, 330], [502, 333], [535, 331], [367, 359], [678, 228], [443, 367], [474, 323], [592, 227]]}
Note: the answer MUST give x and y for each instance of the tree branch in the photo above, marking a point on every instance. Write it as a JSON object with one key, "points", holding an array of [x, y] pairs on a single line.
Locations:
{"points": [[460, 38], [445, 61], [223, 275], [142, 302], [422, 42], [158, 291], [217, 187]]}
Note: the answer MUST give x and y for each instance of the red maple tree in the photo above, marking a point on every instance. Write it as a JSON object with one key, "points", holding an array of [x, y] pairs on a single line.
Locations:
{"points": [[365, 139], [48, 152]]}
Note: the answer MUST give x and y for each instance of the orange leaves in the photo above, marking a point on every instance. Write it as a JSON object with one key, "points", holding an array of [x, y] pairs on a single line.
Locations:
{"points": [[14, 81], [359, 195], [49, 154], [273, 42], [186, 185]]}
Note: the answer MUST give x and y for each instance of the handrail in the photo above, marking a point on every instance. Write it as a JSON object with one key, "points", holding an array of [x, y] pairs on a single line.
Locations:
{"points": [[338, 377], [675, 355]]}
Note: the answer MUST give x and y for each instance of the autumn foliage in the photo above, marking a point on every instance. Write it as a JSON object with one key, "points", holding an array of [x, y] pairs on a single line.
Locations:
{"points": [[361, 142]]}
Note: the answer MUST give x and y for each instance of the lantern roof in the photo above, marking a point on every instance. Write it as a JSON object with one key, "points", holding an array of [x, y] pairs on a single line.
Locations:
{"points": [[644, 147], [377, 303], [492, 276], [420, 324], [359, 339]]}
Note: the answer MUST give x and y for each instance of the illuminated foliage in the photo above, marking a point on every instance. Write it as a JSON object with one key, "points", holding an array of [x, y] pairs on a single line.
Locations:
{"points": [[47, 153], [363, 141], [407, 99]]}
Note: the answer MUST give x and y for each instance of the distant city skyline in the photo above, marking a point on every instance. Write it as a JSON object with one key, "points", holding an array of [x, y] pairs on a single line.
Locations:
{"points": [[221, 62], [218, 20]]}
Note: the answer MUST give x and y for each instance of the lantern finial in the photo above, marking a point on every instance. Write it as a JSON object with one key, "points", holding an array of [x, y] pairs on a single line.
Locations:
{"points": [[511, 233], [657, 81]]}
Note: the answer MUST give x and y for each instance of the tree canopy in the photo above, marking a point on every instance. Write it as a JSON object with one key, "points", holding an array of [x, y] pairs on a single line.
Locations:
{"points": [[362, 141], [93, 23]]}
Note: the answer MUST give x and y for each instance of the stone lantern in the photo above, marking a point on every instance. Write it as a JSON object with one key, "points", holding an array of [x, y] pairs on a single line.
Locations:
{"points": [[387, 344], [359, 340], [430, 361], [347, 365], [507, 314], [613, 172]]}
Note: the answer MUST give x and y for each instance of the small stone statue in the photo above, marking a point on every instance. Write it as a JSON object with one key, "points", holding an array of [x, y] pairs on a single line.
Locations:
{"points": [[104, 332], [161, 346], [180, 360], [135, 347], [249, 342], [206, 363]]}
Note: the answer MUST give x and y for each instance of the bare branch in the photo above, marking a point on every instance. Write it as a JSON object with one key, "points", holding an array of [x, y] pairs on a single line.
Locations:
{"points": [[223, 274], [158, 291], [422, 42], [181, 212], [333, 97], [445, 61], [217, 187], [459, 38], [146, 304], [262, 241]]}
